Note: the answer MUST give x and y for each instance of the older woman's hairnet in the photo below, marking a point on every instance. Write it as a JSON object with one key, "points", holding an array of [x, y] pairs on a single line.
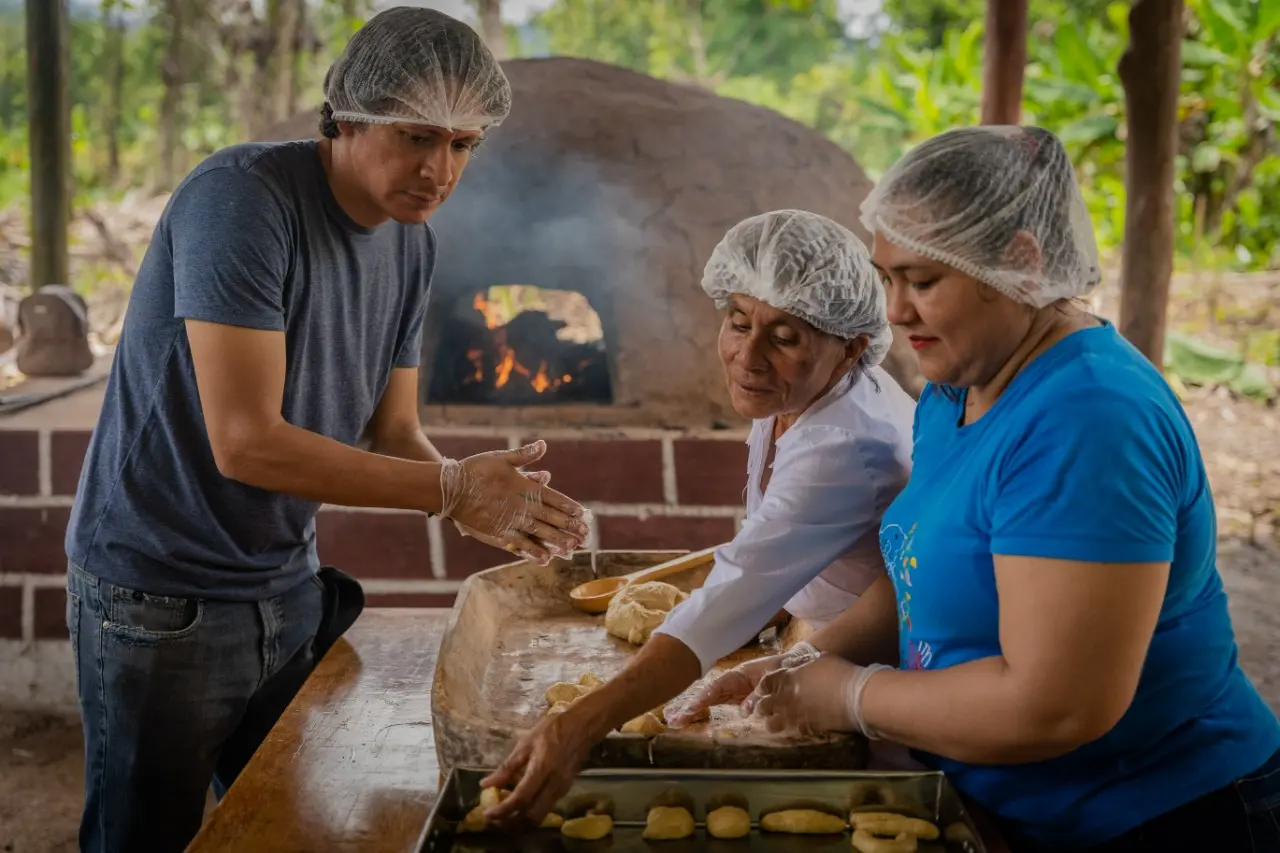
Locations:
{"points": [[420, 66], [808, 266], [998, 203]]}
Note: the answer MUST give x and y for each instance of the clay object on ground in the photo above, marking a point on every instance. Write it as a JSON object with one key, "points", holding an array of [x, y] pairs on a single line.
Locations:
{"points": [[53, 333]]}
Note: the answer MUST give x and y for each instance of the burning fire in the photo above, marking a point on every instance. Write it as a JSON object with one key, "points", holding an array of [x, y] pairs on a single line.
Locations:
{"points": [[507, 361]]}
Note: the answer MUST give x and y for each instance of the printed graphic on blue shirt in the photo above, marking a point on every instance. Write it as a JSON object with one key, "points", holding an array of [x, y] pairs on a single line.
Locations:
{"points": [[895, 544]]}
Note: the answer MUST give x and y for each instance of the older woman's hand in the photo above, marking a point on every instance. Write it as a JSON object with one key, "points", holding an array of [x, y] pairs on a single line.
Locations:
{"points": [[813, 698]]}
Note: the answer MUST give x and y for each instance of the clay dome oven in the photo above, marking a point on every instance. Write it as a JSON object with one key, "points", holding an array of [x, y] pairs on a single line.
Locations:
{"points": [[600, 200]]}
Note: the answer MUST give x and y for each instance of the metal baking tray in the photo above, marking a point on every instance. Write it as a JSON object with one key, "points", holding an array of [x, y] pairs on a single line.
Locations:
{"points": [[628, 794]]}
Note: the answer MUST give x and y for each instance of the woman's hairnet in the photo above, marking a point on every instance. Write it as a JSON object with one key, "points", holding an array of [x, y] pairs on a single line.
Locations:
{"points": [[998, 203], [808, 266], [420, 66]]}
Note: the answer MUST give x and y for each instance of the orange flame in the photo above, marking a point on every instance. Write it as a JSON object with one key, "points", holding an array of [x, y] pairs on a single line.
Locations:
{"points": [[539, 380]]}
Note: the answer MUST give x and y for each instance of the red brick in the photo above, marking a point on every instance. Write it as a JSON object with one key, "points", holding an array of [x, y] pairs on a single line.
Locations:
{"points": [[10, 613], [622, 471], [410, 599], [31, 539], [464, 555], [662, 532], [710, 473], [462, 446], [19, 462], [51, 614], [66, 456], [375, 544]]}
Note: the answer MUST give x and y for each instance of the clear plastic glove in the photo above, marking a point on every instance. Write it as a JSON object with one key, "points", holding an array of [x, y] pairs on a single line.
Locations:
{"points": [[540, 769], [820, 696], [492, 497], [541, 554], [732, 687]]}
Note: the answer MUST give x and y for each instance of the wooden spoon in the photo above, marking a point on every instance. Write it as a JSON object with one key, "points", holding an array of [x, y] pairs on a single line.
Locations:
{"points": [[594, 596]]}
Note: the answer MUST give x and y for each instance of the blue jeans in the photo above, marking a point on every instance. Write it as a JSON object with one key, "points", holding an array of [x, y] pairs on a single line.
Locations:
{"points": [[1242, 817], [176, 694]]}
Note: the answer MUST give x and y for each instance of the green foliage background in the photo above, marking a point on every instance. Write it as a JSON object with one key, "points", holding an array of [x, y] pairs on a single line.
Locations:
{"points": [[913, 70]]}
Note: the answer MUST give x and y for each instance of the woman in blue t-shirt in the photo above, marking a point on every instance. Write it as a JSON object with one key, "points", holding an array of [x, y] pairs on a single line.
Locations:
{"points": [[1064, 651]]}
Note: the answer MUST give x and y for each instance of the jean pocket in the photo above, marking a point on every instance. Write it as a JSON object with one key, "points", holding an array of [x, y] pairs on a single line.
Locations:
{"points": [[139, 617], [1260, 795]]}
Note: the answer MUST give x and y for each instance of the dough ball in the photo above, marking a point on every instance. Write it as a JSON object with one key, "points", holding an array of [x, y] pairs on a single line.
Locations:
{"points": [[474, 821], [558, 708], [565, 691], [891, 824], [640, 608], [590, 827], [645, 724], [667, 823], [590, 680], [728, 822], [958, 833], [802, 822], [551, 821], [490, 797]]}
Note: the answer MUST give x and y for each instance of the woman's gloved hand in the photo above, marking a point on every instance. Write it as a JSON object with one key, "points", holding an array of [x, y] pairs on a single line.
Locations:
{"points": [[494, 500], [819, 696], [732, 687]]}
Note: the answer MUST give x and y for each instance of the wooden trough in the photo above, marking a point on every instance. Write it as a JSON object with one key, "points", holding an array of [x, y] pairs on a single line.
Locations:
{"points": [[513, 633]]}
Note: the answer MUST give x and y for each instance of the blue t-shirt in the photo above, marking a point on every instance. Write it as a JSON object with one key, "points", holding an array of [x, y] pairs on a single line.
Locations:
{"points": [[1088, 456], [253, 237]]}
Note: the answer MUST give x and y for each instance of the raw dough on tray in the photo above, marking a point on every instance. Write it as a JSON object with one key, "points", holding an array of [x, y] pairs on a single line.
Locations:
{"points": [[590, 827], [668, 823], [640, 608], [802, 822], [728, 822]]}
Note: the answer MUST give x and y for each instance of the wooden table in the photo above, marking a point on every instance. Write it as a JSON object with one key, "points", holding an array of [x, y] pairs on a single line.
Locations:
{"points": [[351, 765]]}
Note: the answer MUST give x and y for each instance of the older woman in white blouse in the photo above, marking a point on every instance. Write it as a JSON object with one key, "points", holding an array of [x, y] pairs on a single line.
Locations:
{"points": [[803, 333]]}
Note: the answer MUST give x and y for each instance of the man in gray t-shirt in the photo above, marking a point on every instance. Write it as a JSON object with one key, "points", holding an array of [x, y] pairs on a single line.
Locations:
{"points": [[275, 323]]}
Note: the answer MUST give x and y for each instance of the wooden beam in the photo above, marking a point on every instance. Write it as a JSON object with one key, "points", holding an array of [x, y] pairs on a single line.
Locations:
{"points": [[491, 27], [49, 113], [1004, 59], [1150, 71]]}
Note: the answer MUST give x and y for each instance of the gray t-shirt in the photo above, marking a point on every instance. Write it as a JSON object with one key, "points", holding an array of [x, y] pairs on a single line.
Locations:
{"points": [[253, 237]]}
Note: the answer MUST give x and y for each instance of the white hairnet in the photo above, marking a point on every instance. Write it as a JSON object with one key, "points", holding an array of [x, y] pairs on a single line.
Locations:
{"points": [[421, 66], [962, 197], [808, 266]]}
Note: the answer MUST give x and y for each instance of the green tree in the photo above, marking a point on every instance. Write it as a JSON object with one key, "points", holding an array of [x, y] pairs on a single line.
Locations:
{"points": [[703, 41]]}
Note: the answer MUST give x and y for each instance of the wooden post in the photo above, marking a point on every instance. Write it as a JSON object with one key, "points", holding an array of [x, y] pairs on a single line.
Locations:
{"points": [[491, 27], [49, 113], [1150, 71], [1004, 59]]}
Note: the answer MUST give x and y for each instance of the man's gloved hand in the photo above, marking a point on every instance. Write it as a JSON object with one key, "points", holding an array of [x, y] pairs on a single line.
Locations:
{"points": [[732, 687], [541, 554], [819, 696], [491, 497]]}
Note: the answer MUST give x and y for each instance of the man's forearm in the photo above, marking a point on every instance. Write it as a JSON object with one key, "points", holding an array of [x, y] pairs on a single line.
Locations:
{"points": [[663, 668], [411, 444], [867, 632], [295, 461]]}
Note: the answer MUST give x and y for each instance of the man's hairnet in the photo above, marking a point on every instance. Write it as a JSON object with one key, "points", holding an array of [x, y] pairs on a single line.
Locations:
{"points": [[420, 66], [808, 266], [998, 203]]}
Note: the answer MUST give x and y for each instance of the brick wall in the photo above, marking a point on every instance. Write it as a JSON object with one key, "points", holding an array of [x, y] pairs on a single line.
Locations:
{"points": [[648, 489]]}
